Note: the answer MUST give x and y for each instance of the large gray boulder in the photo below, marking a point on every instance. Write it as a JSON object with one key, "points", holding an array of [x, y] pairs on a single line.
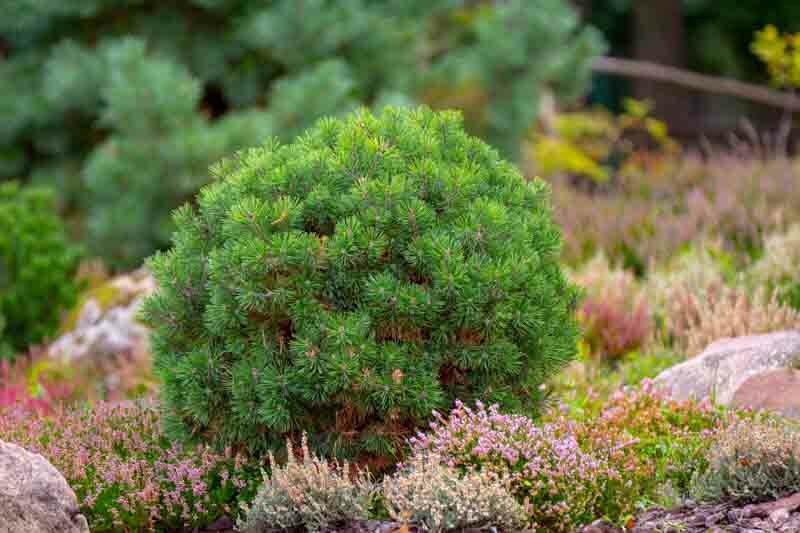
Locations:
{"points": [[722, 368], [34, 496]]}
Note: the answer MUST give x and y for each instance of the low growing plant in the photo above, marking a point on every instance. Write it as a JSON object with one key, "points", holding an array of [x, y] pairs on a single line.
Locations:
{"points": [[650, 217], [19, 389], [437, 497], [695, 320], [126, 474], [603, 458], [778, 267], [38, 264], [653, 441], [308, 493], [349, 283], [559, 484], [752, 463], [615, 314]]}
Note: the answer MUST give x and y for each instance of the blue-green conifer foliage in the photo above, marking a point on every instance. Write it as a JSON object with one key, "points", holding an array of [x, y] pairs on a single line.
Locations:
{"points": [[123, 104], [351, 282]]}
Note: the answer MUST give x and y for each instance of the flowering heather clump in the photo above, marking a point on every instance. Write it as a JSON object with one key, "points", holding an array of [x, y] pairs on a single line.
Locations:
{"points": [[559, 484], [126, 475], [651, 439], [695, 320], [650, 217], [752, 463], [438, 497], [572, 469], [615, 315], [309, 493]]}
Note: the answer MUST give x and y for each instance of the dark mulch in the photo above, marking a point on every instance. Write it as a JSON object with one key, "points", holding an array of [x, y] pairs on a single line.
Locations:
{"points": [[226, 525], [781, 516]]}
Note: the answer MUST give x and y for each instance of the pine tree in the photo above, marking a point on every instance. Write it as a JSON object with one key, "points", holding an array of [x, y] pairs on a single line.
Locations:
{"points": [[120, 103], [351, 282], [37, 267]]}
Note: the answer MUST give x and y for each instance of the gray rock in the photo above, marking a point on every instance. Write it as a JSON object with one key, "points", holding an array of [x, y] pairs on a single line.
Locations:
{"points": [[726, 364], [100, 333], [34, 496]]}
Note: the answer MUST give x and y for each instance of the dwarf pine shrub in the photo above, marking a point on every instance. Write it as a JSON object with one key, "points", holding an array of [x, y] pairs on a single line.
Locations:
{"points": [[349, 283], [37, 267]]}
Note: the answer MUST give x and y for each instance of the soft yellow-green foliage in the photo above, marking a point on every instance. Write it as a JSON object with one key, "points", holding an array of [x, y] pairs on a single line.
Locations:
{"points": [[559, 155], [781, 54], [590, 143]]}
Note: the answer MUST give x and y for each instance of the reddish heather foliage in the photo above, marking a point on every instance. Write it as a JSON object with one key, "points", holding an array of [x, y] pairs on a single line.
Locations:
{"points": [[41, 395], [612, 328], [36, 383], [615, 314]]}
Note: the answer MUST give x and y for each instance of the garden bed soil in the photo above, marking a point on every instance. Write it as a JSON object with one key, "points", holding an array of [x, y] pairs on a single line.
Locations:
{"points": [[780, 516]]}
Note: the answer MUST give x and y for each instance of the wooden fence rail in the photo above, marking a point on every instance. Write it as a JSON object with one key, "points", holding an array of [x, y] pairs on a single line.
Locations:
{"points": [[700, 82]]}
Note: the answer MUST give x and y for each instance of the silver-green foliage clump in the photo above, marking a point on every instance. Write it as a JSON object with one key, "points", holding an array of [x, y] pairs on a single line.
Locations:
{"points": [[439, 498], [752, 462], [307, 492]]}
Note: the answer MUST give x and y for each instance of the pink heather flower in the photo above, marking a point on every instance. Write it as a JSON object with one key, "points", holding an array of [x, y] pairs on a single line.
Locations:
{"points": [[117, 450]]}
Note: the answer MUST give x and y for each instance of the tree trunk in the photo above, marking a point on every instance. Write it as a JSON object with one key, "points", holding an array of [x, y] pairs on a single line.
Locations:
{"points": [[659, 37], [584, 8]]}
